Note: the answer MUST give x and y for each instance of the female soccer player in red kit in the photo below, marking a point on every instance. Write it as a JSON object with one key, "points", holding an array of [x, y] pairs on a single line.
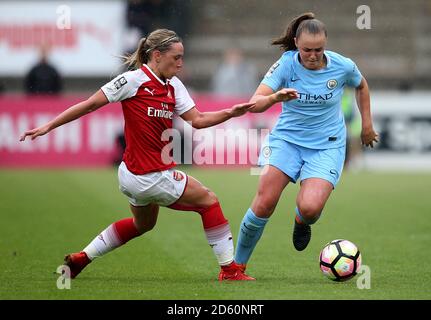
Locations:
{"points": [[150, 95]]}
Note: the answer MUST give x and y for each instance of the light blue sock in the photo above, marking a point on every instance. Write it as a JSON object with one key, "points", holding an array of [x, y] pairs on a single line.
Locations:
{"points": [[250, 231]]}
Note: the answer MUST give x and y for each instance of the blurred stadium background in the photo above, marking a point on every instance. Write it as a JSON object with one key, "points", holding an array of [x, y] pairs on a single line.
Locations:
{"points": [[394, 55]]}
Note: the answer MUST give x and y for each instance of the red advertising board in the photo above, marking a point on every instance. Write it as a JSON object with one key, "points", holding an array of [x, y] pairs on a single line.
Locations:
{"points": [[91, 140]]}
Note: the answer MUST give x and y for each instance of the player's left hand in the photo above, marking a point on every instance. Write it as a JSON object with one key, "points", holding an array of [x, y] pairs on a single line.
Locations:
{"points": [[368, 137], [286, 94], [240, 109]]}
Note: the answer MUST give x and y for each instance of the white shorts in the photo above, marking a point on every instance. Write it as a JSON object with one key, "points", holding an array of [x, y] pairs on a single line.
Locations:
{"points": [[162, 187]]}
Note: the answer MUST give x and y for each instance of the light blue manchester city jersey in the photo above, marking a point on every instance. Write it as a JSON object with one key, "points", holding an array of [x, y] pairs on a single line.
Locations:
{"points": [[314, 120]]}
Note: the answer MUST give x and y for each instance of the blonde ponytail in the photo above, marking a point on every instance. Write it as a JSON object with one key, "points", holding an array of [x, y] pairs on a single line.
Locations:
{"points": [[136, 59], [160, 39]]}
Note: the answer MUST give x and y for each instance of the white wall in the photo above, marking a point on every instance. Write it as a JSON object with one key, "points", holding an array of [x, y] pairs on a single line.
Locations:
{"points": [[403, 120]]}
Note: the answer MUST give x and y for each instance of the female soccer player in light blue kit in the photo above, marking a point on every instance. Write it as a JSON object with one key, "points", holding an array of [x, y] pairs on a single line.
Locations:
{"points": [[308, 142]]}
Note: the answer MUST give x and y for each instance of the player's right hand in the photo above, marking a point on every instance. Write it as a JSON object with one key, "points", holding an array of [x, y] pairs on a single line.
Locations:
{"points": [[286, 94], [242, 108], [34, 133], [369, 137]]}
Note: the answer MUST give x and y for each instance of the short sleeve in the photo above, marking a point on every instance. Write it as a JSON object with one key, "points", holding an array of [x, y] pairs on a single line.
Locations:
{"points": [[353, 75], [124, 86], [276, 75], [183, 101]]}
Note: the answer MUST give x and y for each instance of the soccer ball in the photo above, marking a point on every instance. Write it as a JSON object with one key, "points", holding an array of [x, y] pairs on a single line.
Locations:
{"points": [[340, 260]]}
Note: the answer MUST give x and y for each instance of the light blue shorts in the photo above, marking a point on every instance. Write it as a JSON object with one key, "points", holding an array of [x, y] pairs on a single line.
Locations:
{"points": [[300, 162]]}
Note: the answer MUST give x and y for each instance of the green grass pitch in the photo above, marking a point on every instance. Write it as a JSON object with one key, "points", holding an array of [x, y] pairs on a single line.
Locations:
{"points": [[46, 214]]}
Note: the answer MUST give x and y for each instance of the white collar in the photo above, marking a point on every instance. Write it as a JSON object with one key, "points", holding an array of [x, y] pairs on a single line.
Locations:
{"points": [[155, 76]]}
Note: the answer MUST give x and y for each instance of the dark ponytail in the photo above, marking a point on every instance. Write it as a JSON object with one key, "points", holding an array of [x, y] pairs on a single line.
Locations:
{"points": [[305, 21]]}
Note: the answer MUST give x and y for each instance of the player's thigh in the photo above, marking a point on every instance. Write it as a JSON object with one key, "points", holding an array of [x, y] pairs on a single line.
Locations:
{"points": [[319, 176], [271, 184], [145, 216], [196, 195], [313, 194], [326, 164]]}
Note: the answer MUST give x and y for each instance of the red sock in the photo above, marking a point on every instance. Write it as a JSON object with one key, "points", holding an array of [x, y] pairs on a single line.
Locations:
{"points": [[212, 216], [126, 230]]}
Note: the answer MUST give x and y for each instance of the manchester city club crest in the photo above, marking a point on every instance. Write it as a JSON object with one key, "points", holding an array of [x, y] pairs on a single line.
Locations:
{"points": [[331, 84], [267, 151]]}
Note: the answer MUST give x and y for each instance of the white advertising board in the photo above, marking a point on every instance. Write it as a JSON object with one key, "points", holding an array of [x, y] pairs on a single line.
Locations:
{"points": [[85, 37]]}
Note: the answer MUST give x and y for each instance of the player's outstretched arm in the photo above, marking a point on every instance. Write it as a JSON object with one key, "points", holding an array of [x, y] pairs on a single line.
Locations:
{"points": [[201, 120], [368, 135], [76, 111], [265, 97]]}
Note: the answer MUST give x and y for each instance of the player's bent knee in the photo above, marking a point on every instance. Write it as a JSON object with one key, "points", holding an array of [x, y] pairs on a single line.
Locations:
{"points": [[310, 213], [213, 197], [210, 199]]}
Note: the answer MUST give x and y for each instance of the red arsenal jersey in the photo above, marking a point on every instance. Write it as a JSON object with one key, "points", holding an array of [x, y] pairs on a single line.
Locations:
{"points": [[148, 107]]}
